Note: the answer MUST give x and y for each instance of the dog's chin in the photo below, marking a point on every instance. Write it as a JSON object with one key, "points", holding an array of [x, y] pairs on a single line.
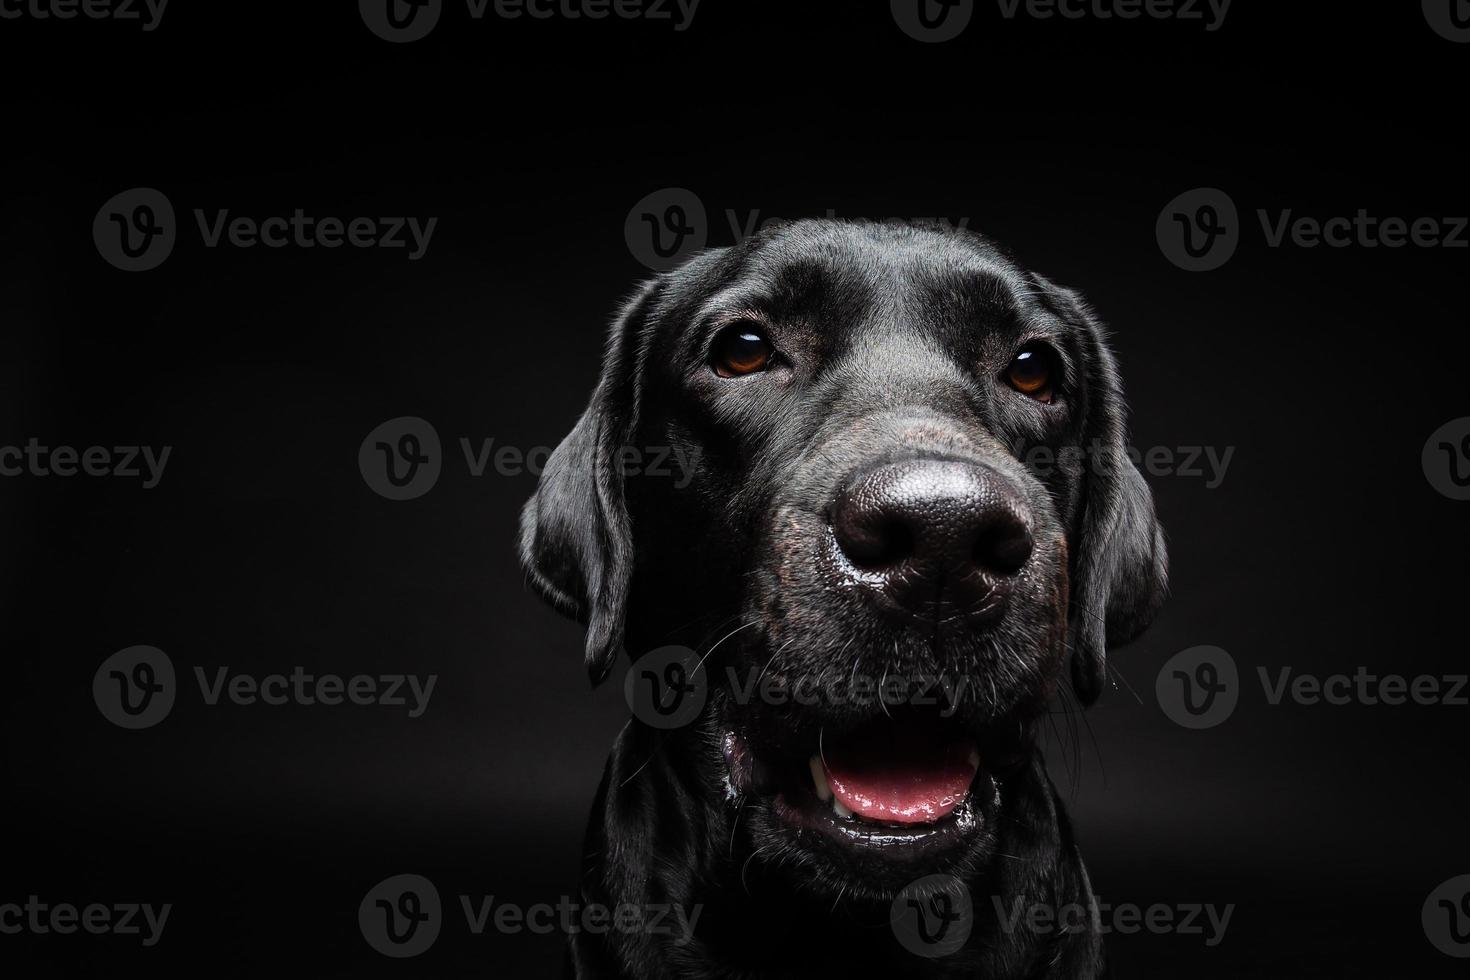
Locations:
{"points": [[867, 808]]}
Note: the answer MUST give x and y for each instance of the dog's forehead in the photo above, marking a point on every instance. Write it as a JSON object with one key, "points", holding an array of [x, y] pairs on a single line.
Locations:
{"points": [[855, 277], [882, 264]]}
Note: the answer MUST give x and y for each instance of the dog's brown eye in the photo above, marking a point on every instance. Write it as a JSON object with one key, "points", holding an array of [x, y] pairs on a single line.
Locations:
{"points": [[1031, 373], [741, 350]]}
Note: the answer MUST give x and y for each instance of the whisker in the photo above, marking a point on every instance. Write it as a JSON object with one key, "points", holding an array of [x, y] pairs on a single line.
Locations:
{"points": [[733, 826], [712, 649], [637, 771], [1113, 669], [742, 873], [772, 659]]}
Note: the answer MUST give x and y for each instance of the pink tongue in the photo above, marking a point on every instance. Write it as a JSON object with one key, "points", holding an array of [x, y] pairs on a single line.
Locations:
{"points": [[900, 777]]}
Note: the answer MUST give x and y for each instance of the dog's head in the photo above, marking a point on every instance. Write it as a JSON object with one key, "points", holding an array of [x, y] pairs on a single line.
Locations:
{"points": [[896, 499]]}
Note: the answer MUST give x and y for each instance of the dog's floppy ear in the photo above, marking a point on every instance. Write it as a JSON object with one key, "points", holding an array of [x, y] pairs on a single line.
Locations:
{"points": [[1120, 565], [576, 539]]}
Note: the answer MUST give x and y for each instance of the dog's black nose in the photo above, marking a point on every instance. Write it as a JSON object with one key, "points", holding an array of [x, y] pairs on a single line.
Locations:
{"points": [[935, 537]]}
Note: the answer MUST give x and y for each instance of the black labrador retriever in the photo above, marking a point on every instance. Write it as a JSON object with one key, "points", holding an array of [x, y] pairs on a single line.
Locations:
{"points": [[907, 500]]}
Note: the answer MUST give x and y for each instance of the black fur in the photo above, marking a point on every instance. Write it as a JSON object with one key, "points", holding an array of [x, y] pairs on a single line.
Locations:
{"points": [[892, 343]]}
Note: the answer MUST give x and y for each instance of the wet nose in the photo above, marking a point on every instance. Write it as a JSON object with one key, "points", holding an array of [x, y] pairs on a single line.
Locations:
{"points": [[935, 537]]}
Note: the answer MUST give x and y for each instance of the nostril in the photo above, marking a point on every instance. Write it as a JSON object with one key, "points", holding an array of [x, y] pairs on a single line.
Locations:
{"points": [[1003, 546], [876, 543]]}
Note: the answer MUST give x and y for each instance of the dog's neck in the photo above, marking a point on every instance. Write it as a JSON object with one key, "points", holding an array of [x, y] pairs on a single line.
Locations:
{"points": [[660, 839]]}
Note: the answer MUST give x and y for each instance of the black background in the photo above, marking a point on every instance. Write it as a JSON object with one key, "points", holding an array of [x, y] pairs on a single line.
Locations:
{"points": [[262, 548]]}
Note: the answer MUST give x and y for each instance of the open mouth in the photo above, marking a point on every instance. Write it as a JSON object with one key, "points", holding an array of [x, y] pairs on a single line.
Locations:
{"points": [[896, 776], [913, 784]]}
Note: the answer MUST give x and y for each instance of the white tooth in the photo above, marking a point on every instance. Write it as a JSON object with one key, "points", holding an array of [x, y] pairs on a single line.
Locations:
{"points": [[819, 778], [975, 758], [841, 810]]}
